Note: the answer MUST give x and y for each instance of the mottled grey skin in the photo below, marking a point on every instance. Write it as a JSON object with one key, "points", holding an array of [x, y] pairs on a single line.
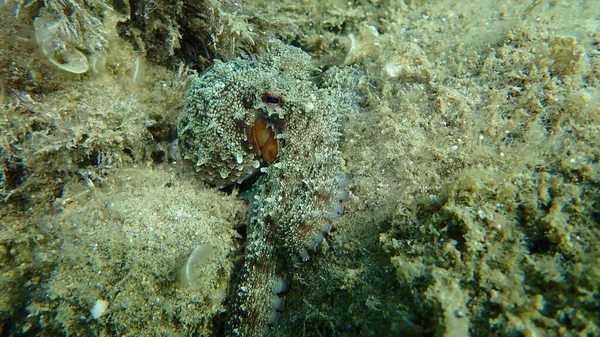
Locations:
{"points": [[300, 194], [220, 109]]}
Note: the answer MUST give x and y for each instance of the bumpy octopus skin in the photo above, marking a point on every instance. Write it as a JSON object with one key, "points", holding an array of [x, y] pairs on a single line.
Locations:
{"points": [[276, 116]]}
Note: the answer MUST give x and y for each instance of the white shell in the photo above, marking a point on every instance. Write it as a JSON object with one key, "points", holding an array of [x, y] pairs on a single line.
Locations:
{"points": [[99, 308], [71, 60]]}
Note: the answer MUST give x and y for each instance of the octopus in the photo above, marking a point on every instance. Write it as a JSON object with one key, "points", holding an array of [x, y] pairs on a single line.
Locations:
{"points": [[281, 117]]}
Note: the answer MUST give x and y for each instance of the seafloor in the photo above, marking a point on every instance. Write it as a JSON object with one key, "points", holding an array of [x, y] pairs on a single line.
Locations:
{"points": [[473, 155]]}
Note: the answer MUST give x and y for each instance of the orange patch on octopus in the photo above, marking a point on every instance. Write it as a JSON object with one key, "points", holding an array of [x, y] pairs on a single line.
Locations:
{"points": [[263, 139]]}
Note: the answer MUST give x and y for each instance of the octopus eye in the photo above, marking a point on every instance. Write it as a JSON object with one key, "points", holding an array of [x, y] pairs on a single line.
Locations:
{"points": [[272, 100]]}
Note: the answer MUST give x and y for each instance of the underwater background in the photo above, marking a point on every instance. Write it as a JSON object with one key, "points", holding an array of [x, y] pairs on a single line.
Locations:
{"points": [[472, 152]]}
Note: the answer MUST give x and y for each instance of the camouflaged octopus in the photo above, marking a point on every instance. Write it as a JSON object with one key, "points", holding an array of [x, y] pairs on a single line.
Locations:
{"points": [[281, 116]]}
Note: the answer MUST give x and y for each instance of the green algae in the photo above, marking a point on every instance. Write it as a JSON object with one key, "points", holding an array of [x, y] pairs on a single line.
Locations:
{"points": [[474, 165]]}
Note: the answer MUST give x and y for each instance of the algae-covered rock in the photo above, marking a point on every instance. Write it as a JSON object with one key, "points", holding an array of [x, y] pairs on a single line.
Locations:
{"points": [[472, 207], [127, 245]]}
